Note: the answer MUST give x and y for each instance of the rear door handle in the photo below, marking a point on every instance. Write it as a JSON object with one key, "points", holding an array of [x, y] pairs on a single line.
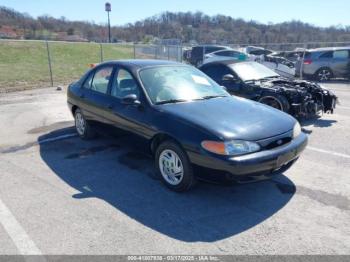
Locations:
{"points": [[110, 106], [82, 96]]}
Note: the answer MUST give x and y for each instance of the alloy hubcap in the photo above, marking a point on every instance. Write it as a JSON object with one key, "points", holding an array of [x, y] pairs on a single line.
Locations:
{"points": [[324, 74], [80, 123], [171, 167]]}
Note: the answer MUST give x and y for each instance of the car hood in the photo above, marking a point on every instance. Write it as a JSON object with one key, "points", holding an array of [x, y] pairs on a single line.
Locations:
{"points": [[232, 118], [283, 83]]}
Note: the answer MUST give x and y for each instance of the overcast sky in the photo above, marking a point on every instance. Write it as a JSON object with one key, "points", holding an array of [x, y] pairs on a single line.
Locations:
{"points": [[317, 12]]}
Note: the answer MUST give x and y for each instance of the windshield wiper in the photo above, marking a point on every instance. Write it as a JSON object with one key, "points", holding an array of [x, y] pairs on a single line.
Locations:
{"points": [[269, 77], [210, 97], [171, 101], [251, 80], [261, 79]]}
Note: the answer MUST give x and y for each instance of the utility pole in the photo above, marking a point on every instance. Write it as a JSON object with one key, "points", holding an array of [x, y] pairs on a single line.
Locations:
{"points": [[108, 8]]}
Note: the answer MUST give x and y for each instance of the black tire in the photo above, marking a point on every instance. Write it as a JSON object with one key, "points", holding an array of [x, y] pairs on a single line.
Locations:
{"points": [[188, 179], [276, 101], [87, 132], [323, 74]]}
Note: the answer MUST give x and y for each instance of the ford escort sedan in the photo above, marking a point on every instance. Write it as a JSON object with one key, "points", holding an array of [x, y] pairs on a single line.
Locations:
{"points": [[187, 119]]}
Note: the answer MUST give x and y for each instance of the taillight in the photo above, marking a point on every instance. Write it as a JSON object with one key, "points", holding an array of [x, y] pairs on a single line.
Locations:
{"points": [[307, 62]]}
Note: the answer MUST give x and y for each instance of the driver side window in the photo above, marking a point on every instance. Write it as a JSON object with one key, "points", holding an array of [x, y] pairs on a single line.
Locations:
{"points": [[216, 72], [124, 84]]}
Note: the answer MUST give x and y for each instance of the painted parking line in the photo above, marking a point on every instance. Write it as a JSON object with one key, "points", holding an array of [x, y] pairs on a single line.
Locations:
{"points": [[328, 152], [18, 235], [57, 138]]}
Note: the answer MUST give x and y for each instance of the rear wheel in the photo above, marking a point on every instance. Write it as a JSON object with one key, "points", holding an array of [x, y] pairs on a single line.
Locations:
{"points": [[82, 126], [174, 167], [276, 101], [324, 74]]}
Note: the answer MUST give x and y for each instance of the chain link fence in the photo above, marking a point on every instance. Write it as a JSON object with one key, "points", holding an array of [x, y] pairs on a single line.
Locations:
{"points": [[30, 64], [34, 64], [161, 52]]}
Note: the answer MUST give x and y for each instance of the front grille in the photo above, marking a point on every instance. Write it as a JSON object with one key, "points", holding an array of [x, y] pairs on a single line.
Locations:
{"points": [[278, 142]]}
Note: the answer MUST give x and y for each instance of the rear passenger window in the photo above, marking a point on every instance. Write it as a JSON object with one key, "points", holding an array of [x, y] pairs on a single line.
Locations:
{"points": [[327, 55], [227, 53], [307, 55], [101, 79], [209, 50], [341, 54], [222, 53]]}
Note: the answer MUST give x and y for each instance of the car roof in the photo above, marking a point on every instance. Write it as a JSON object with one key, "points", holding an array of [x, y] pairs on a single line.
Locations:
{"points": [[225, 62], [225, 50], [329, 49], [220, 46], [140, 63]]}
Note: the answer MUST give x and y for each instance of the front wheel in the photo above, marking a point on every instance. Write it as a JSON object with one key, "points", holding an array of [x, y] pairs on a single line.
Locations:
{"points": [[276, 101], [174, 167]]}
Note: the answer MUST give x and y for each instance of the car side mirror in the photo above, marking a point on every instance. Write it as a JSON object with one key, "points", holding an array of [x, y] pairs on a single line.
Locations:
{"points": [[229, 78], [131, 100]]}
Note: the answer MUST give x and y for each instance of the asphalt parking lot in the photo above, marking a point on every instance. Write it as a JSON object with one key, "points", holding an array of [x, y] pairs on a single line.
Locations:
{"points": [[61, 195]]}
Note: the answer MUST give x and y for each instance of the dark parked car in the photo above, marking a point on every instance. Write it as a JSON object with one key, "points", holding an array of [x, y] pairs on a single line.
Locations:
{"points": [[256, 82], [197, 54], [323, 64], [187, 119]]}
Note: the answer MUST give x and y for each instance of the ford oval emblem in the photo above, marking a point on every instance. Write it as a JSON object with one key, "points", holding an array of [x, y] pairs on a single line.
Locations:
{"points": [[280, 142]]}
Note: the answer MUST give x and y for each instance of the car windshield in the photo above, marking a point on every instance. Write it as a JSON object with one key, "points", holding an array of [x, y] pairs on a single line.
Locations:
{"points": [[171, 84], [252, 71]]}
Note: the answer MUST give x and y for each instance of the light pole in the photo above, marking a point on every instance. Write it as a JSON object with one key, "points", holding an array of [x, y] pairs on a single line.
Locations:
{"points": [[108, 9]]}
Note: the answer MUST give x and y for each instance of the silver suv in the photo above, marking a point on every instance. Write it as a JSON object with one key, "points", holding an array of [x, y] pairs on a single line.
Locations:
{"points": [[322, 64]]}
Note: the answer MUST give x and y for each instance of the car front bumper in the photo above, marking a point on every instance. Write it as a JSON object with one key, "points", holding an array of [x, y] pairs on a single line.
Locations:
{"points": [[311, 108], [263, 162]]}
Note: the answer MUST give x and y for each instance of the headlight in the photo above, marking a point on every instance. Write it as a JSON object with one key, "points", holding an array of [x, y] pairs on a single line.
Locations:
{"points": [[231, 148], [296, 130]]}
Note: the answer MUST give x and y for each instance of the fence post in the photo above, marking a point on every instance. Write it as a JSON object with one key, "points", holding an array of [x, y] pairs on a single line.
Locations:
{"points": [[181, 52], [155, 51], [168, 52], [101, 52], [302, 61], [134, 51], [49, 61]]}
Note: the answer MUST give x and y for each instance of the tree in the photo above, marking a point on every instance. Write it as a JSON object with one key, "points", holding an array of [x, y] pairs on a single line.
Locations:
{"points": [[186, 26], [70, 31]]}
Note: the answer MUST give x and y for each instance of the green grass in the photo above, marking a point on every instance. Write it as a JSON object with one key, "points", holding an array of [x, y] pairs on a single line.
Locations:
{"points": [[25, 64]]}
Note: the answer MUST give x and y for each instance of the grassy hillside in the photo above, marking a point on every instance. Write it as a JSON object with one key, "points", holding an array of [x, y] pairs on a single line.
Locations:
{"points": [[25, 64]]}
